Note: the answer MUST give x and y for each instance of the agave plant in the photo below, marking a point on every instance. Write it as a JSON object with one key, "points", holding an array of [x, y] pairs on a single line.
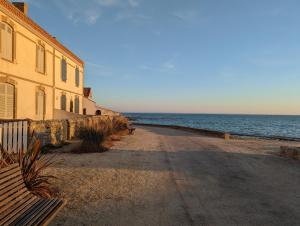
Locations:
{"points": [[32, 165]]}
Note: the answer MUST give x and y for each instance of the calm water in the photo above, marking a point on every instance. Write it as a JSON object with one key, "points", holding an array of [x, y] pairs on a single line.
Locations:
{"points": [[251, 125]]}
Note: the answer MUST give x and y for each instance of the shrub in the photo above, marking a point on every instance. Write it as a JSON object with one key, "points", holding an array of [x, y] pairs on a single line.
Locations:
{"points": [[120, 123], [92, 140], [32, 165]]}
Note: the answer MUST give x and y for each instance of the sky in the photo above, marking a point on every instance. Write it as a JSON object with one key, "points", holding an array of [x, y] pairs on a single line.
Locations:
{"points": [[187, 56]]}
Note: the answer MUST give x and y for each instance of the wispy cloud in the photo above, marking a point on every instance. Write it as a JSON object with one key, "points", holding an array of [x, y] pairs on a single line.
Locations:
{"points": [[134, 17], [134, 3], [88, 16], [165, 67], [109, 3], [187, 16], [89, 12], [168, 65]]}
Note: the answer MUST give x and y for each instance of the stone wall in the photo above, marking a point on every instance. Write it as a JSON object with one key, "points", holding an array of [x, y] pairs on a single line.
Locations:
{"points": [[58, 131]]}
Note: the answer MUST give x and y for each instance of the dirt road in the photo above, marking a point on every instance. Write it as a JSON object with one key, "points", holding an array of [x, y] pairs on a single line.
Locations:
{"points": [[168, 177]]}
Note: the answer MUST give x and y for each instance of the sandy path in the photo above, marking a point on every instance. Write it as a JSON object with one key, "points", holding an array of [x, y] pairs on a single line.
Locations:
{"points": [[169, 177]]}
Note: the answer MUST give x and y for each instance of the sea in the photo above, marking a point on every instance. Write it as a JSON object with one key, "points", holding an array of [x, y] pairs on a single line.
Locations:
{"points": [[266, 126]]}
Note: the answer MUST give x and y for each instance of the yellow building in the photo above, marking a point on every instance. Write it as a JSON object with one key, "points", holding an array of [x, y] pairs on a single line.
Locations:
{"points": [[39, 77]]}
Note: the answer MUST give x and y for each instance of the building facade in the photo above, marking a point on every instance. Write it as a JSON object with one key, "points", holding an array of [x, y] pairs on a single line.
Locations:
{"points": [[39, 77]]}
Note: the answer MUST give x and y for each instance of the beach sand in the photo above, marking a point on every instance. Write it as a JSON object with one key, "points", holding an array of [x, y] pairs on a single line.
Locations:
{"points": [[162, 176]]}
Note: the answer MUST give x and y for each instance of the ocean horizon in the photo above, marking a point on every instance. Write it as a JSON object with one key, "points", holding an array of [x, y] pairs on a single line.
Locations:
{"points": [[256, 125]]}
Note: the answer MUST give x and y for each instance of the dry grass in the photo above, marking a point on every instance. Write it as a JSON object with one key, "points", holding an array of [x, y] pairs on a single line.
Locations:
{"points": [[100, 138], [120, 124], [92, 140]]}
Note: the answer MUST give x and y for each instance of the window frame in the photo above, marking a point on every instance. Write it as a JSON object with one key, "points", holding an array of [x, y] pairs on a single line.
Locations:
{"points": [[76, 105], [13, 101], [11, 60], [37, 58], [64, 64], [77, 76], [63, 105], [40, 90]]}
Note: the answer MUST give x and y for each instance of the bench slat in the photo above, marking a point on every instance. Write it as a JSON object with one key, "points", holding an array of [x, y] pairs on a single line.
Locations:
{"points": [[46, 212], [10, 185], [7, 168], [49, 212], [11, 192], [12, 181], [12, 213], [12, 200], [10, 177], [26, 217], [7, 173]]}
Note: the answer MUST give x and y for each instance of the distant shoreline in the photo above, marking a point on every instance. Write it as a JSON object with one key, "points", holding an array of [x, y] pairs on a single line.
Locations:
{"points": [[212, 133]]}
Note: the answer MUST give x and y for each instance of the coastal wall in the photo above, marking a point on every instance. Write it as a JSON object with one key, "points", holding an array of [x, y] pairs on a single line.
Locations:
{"points": [[55, 132], [203, 132]]}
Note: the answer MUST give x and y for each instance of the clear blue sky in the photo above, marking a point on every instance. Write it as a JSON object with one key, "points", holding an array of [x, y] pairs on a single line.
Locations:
{"points": [[210, 56]]}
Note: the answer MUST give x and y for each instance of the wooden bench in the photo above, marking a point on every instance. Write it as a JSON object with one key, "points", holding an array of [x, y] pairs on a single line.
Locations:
{"points": [[18, 206]]}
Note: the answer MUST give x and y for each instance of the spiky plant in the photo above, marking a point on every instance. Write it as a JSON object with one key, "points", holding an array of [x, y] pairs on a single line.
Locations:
{"points": [[92, 140], [32, 165]]}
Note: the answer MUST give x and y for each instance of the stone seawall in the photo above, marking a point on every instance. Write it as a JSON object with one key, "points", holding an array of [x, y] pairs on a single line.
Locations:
{"points": [[58, 131]]}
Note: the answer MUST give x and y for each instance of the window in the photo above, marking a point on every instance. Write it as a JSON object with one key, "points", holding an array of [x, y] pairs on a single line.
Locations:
{"points": [[77, 76], [77, 105], [71, 105], [63, 102], [40, 58], [7, 101], [63, 69], [84, 111], [40, 104], [6, 41]]}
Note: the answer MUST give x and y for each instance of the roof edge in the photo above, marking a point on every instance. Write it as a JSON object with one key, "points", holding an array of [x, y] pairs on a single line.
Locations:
{"points": [[10, 7]]}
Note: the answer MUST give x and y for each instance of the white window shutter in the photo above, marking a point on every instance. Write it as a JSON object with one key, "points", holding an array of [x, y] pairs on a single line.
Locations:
{"points": [[10, 101], [1, 37], [2, 101], [7, 101], [3, 40], [40, 102]]}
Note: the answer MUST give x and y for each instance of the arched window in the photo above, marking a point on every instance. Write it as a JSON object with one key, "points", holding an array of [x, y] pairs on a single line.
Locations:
{"points": [[6, 41], [98, 112], [7, 101], [40, 104], [77, 105], [63, 102]]}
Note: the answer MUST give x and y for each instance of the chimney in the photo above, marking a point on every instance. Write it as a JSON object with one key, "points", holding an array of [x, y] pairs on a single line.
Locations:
{"points": [[22, 6]]}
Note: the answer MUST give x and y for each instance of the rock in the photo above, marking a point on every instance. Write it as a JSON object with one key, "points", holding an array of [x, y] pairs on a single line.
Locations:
{"points": [[226, 136]]}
